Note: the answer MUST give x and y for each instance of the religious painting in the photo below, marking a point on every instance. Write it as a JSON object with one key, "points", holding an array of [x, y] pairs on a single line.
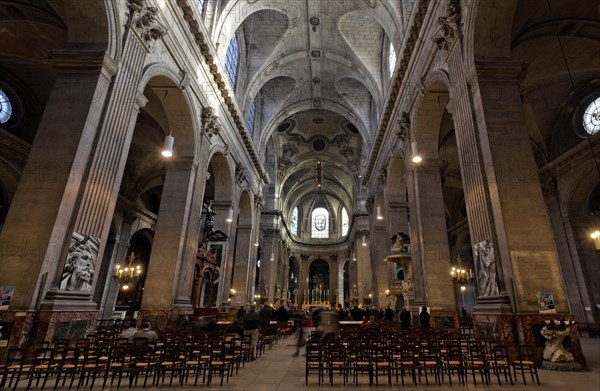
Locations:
{"points": [[78, 272], [6, 294], [212, 277], [545, 301], [485, 261]]}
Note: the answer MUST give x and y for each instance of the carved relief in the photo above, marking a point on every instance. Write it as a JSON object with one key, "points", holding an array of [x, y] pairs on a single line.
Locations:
{"points": [[404, 128], [259, 203], [210, 122], [240, 174], [369, 203], [450, 26], [143, 20]]}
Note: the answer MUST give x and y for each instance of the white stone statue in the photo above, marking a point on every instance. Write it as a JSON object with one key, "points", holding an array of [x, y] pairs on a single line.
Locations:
{"points": [[554, 350]]}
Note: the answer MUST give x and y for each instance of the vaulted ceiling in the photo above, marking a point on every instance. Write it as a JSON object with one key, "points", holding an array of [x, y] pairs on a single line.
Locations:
{"points": [[318, 72]]}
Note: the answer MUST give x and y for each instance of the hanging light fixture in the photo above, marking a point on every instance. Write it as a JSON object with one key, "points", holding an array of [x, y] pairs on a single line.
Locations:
{"points": [[272, 257], [460, 275], [379, 215], [416, 158], [230, 215], [167, 150], [128, 275], [596, 236], [364, 240]]}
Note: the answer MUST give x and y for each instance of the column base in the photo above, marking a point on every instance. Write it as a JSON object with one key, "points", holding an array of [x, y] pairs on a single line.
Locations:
{"points": [[499, 304]]}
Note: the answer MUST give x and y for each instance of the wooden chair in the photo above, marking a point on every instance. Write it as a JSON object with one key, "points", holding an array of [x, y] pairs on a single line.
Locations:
{"points": [[525, 362], [500, 362], [15, 367]]}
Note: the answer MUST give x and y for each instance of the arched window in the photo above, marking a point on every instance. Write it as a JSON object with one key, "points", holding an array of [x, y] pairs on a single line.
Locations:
{"points": [[251, 116], [320, 224], [5, 108], [231, 61], [200, 6], [345, 222], [391, 58], [294, 221]]}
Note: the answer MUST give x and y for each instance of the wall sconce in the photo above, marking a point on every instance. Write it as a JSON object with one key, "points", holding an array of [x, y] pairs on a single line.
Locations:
{"points": [[416, 158], [364, 240], [167, 150], [230, 215], [379, 215], [596, 236]]}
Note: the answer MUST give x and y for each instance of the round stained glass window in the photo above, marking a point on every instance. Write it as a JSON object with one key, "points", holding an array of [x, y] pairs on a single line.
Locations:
{"points": [[5, 108], [591, 117]]}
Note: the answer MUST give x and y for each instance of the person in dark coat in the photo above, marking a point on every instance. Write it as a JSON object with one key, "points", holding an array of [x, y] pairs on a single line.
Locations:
{"points": [[405, 318], [389, 313], [424, 318]]}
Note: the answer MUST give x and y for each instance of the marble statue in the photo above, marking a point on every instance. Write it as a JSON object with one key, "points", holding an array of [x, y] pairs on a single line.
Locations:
{"points": [[554, 351]]}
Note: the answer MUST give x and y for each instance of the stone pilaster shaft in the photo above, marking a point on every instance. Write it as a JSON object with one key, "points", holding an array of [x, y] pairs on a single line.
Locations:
{"points": [[38, 227], [526, 243], [169, 258], [241, 270]]}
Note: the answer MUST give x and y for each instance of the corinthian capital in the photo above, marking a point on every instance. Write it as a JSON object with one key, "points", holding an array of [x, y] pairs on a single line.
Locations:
{"points": [[449, 26], [144, 21], [210, 122]]}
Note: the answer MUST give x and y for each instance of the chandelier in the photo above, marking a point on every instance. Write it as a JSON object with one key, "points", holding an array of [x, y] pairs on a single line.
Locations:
{"points": [[128, 275], [460, 275]]}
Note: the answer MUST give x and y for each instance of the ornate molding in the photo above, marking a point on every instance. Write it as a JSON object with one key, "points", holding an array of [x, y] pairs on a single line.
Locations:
{"points": [[143, 20], [241, 175], [358, 234], [210, 122], [273, 232], [259, 203], [549, 186], [403, 132], [449, 28], [382, 177], [369, 203]]}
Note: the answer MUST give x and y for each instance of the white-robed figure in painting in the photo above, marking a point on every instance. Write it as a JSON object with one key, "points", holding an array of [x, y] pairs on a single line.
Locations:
{"points": [[78, 273]]}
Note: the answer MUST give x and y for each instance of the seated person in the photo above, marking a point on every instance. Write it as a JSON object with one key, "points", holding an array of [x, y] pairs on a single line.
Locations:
{"points": [[148, 334], [130, 331], [236, 328], [372, 326]]}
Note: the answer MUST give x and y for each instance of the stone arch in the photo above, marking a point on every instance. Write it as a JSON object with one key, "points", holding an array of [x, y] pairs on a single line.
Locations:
{"points": [[428, 116], [181, 119], [222, 173], [487, 29]]}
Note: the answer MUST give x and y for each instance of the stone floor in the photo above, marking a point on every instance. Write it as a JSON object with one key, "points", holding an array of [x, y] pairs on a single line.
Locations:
{"points": [[278, 370]]}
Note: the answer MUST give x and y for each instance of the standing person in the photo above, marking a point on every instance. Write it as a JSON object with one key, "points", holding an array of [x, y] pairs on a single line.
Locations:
{"points": [[424, 318], [389, 313], [266, 314], [298, 316], [405, 318], [240, 313], [251, 324]]}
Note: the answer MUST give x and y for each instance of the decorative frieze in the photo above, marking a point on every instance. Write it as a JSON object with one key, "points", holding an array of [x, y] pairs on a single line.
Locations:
{"points": [[241, 175], [403, 132], [259, 203]]}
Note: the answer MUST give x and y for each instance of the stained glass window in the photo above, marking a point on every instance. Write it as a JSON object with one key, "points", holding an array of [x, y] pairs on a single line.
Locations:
{"points": [[231, 60], [391, 59], [345, 222], [320, 224], [5, 108], [294, 222], [591, 117], [251, 116]]}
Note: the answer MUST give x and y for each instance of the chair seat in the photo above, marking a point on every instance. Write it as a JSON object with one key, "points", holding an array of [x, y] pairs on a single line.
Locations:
{"points": [[524, 362]]}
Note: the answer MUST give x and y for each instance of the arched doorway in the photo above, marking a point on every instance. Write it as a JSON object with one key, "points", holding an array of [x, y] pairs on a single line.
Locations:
{"points": [[318, 282]]}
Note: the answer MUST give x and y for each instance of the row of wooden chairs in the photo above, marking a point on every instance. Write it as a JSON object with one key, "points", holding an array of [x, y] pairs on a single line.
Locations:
{"points": [[465, 359], [176, 357]]}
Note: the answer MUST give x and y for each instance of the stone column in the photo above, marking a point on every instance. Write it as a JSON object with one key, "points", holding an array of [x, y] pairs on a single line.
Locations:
{"points": [[241, 271], [494, 298], [268, 270], [36, 234], [364, 272], [222, 209], [526, 241], [333, 277], [172, 255], [303, 293], [432, 238]]}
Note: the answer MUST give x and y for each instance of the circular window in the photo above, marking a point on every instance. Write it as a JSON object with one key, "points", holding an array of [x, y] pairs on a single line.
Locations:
{"points": [[5, 108], [352, 128], [284, 126], [319, 145], [591, 117]]}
